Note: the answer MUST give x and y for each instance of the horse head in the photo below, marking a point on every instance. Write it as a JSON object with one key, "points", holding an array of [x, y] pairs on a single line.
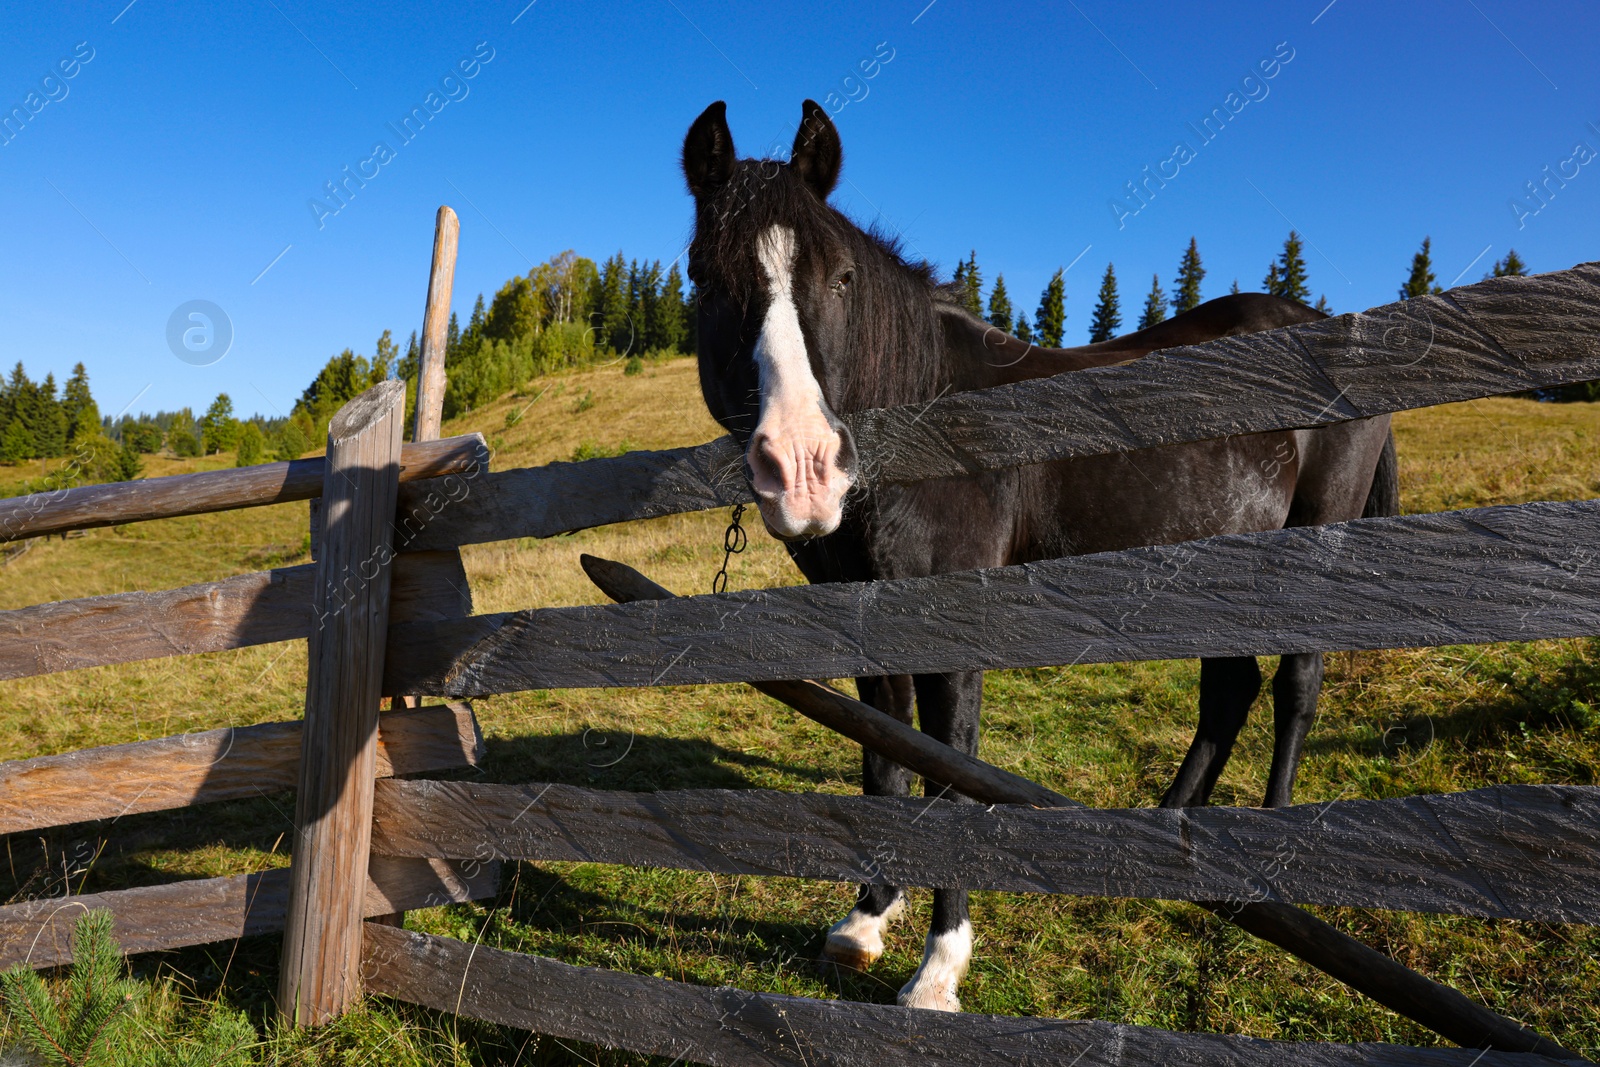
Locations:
{"points": [[774, 268]]}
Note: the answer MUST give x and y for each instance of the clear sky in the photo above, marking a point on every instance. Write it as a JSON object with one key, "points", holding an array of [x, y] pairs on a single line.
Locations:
{"points": [[179, 162]]}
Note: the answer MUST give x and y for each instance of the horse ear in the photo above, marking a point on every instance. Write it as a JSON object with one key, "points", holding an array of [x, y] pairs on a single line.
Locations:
{"points": [[708, 155], [817, 154]]}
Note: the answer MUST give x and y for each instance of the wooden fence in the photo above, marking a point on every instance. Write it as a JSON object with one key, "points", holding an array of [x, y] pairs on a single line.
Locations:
{"points": [[1492, 574]]}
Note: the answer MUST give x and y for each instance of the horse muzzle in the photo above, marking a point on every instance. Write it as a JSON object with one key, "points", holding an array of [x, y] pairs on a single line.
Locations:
{"points": [[800, 478]]}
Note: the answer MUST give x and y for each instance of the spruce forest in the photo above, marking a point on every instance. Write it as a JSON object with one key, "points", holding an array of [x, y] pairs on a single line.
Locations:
{"points": [[566, 313]]}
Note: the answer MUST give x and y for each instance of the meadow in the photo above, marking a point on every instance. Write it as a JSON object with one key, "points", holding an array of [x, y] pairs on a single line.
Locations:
{"points": [[1393, 723]]}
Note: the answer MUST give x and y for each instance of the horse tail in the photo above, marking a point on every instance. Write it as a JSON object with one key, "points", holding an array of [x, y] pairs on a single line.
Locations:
{"points": [[1384, 496]]}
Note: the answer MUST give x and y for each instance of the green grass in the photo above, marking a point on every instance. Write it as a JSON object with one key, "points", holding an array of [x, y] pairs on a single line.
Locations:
{"points": [[1393, 723]]}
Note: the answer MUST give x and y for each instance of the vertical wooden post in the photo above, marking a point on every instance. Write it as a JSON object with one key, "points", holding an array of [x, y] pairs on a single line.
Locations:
{"points": [[436, 326], [431, 383], [320, 974]]}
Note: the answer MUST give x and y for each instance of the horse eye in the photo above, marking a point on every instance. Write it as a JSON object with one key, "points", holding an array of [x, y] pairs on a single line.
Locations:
{"points": [[841, 283]]}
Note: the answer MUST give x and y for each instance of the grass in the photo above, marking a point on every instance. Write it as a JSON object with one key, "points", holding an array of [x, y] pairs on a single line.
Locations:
{"points": [[1393, 723]]}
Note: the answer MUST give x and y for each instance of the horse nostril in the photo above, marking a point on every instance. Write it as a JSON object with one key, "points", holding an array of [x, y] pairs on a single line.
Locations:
{"points": [[762, 468]]}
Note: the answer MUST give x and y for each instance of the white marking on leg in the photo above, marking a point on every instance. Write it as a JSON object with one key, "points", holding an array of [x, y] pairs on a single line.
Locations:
{"points": [[856, 941], [945, 959]]}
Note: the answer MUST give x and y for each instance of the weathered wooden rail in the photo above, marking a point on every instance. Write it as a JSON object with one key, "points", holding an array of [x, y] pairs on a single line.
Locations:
{"points": [[731, 1026], [89, 507], [1514, 573], [1458, 854]]}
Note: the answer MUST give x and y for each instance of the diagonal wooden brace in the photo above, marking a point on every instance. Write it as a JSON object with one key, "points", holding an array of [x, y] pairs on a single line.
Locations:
{"points": [[1394, 985]]}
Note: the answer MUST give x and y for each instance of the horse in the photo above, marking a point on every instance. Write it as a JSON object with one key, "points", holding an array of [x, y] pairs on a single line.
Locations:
{"points": [[803, 317]]}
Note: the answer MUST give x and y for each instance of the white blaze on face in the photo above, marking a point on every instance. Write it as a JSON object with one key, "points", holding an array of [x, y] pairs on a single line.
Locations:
{"points": [[794, 452]]}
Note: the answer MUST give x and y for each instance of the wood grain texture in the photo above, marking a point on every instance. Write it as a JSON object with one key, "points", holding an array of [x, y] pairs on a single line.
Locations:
{"points": [[319, 978], [249, 609], [1510, 852], [699, 1024], [860, 722], [226, 764], [198, 912], [1483, 339], [561, 497], [90, 506], [1438, 1007], [1497, 336], [435, 325], [1520, 572]]}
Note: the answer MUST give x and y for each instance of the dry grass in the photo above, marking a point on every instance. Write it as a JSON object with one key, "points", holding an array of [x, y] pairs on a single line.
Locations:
{"points": [[1393, 723]]}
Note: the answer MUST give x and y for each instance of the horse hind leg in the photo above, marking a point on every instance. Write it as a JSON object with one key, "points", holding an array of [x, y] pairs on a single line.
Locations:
{"points": [[1228, 686], [950, 707], [1295, 689], [856, 941]]}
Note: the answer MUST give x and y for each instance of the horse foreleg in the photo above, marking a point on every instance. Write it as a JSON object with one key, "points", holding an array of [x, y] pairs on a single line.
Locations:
{"points": [[1228, 686], [949, 706], [856, 941], [1295, 689]]}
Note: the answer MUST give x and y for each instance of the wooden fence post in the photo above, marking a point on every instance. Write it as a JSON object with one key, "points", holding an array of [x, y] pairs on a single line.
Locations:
{"points": [[431, 383], [436, 325], [320, 975]]}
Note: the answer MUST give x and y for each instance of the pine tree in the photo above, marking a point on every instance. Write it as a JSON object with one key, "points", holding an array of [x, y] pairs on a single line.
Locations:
{"points": [[50, 424], [16, 443], [674, 313], [1286, 277], [1233, 290], [1107, 318], [974, 283], [1510, 267], [80, 1024], [22, 413], [1421, 282], [959, 278], [1050, 321], [129, 465], [651, 307], [1186, 294], [410, 364], [219, 430], [999, 304], [78, 408], [1021, 330], [635, 307], [1155, 305], [1322, 305], [452, 338], [611, 306]]}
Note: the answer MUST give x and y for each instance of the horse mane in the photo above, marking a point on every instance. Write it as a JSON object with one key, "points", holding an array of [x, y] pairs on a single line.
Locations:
{"points": [[897, 351]]}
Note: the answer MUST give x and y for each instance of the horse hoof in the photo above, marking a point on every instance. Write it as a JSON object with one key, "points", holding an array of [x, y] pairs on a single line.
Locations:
{"points": [[856, 941], [929, 998], [944, 964], [850, 954]]}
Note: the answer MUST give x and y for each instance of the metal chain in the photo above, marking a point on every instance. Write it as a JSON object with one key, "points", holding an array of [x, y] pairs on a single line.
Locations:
{"points": [[733, 542]]}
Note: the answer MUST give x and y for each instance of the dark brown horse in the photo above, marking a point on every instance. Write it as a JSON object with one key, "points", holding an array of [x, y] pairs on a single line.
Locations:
{"points": [[804, 317]]}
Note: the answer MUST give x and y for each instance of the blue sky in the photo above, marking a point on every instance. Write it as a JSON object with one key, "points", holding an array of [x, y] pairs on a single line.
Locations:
{"points": [[178, 163]]}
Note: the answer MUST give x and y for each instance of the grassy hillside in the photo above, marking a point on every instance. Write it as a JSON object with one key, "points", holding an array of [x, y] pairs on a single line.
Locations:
{"points": [[1393, 723]]}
